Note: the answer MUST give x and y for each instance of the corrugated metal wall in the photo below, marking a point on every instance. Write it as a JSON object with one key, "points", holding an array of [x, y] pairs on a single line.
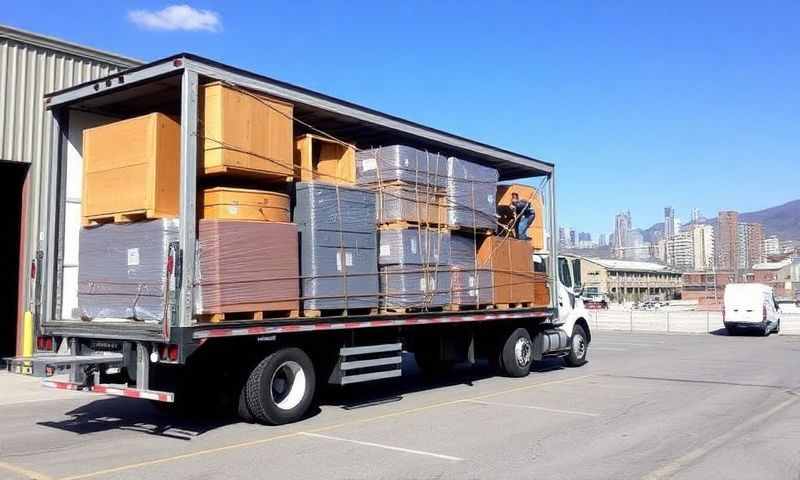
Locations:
{"points": [[30, 66]]}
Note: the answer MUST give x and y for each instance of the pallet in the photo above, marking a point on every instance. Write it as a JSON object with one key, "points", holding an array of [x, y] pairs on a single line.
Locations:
{"points": [[336, 312], [247, 172], [405, 224], [126, 217], [466, 228], [461, 308], [509, 306], [411, 309], [261, 315]]}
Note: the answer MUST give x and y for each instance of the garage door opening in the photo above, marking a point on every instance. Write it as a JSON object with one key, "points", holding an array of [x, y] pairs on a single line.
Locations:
{"points": [[12, 180]]}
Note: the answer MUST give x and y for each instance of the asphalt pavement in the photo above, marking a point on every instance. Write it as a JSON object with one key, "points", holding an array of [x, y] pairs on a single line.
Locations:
{"points": [[645, 406]]}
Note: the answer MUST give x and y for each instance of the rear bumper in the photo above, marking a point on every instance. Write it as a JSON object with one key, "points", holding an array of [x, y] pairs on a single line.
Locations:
{"points": [[119, 391], [745, 324]]}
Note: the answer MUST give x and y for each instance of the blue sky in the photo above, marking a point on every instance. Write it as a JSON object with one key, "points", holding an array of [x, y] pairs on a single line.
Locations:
{"points": [[639, 104]]}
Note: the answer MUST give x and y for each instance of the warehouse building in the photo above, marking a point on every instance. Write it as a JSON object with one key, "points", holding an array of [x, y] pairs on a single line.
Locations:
{"points": [[627, 281], [30, 66]]}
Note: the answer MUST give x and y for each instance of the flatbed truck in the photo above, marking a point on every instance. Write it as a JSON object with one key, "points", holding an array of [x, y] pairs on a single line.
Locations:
{"points": [[270, 369]]}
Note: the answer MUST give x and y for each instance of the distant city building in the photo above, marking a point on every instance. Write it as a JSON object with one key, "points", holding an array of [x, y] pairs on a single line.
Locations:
{"points": [[602, 240], [669, 222], [630, 281], [706, 287], [562, 237], [622, 229], [572, 240], [695, 215], [726, 241], [750, 245], [680, 251], [659, 250], [772, 246], [584, 237], [703, 245], [777, 275]]}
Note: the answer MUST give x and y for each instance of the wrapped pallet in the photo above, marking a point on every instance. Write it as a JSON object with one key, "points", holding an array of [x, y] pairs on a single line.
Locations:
{"points": [[338, 266], [246, 267], [471, 192], [123, 269], [414, 266], [400, 163], [469, 283], [419, 204]]}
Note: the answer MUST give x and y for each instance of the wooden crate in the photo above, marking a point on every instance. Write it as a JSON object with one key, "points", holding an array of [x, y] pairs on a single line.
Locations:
{"points": [[323, 159], [244, 204], [130, 169], [513, 278], [246, 133], [530, 194]]}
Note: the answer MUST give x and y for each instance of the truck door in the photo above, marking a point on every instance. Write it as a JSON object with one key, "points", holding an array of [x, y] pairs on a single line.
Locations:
{"points": [[566, 294]]}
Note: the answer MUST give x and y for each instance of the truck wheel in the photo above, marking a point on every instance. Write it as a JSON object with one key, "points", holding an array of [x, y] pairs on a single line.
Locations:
{"points": [[777, 327], [579, 348], [281, 387], [517, 353], [241, 405]]}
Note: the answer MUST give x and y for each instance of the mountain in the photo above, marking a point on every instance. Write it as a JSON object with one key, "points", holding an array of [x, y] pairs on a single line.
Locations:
{"points": [[782, 221]]}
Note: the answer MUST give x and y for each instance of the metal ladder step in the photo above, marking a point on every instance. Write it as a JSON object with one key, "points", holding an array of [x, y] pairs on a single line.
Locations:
{"points": [[367, 363]]}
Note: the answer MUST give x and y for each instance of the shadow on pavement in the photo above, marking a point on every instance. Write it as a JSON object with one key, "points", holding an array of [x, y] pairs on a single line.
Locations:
{"points": [[139, 416]]}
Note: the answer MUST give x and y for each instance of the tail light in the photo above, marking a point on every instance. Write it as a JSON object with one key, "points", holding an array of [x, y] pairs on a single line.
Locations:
{"points": [[168, 353], [44, 344], [764, 313]]}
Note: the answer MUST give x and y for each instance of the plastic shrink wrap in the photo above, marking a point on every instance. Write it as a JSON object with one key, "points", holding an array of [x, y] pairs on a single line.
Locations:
{"points": [[399, 163], [470, 284], [246, 267], [471, 190], [338, 266], [123, 269]]}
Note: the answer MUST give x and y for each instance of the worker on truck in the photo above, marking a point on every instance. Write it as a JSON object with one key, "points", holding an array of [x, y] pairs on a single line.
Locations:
{"points": [[524, 215]]}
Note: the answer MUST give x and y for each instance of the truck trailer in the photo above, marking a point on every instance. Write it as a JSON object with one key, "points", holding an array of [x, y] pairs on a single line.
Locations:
{"points": [[269, 368]]}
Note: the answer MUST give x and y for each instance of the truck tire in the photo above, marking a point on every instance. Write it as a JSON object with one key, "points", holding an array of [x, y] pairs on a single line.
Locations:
{"points": [[241, 405], [777, 328], [579, 348], [281, 387], [517, 353]]}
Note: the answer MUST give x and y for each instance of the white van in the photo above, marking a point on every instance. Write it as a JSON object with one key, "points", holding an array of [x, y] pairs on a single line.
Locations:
{"points": [[751, 306]]}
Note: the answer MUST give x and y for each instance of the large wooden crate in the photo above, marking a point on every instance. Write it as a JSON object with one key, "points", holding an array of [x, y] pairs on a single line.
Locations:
{"points": [[130, 169], [244, 204], [326, 160], [246, 133], [513, 278], [531, 195]]}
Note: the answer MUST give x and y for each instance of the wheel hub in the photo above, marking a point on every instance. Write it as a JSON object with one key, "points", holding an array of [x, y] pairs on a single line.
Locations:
{"points": [[288, 385], [522, 352], [578, 346]]}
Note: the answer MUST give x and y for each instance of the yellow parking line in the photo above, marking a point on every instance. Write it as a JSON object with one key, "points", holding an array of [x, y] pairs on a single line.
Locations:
{"points": [[29, 474], [316, 430]]}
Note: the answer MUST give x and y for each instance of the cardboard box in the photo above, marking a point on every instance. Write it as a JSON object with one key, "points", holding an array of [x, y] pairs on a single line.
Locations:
{"points": [[323, 159], [531, 195], [130, 168], [246, 133], [244, 204], [511, 263]]}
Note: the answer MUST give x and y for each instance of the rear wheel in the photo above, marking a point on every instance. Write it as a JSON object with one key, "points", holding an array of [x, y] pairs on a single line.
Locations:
{"points": [[517, 353], [767, 330], [777, 327], [281, 387], [579, 348]]}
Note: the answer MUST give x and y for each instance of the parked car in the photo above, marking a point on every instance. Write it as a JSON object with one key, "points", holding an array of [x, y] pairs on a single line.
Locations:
{"points": [[750, 306]]}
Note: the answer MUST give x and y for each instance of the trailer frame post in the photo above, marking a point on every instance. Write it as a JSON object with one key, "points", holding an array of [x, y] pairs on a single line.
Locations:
{"points": [[551, 194], [188, 194]]}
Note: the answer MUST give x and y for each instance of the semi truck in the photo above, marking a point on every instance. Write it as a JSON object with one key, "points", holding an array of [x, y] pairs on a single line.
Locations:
{"points": [[271, 369]]}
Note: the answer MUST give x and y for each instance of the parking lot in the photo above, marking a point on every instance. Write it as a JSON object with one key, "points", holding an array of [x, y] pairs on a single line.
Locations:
{"points": [[646, 406]]}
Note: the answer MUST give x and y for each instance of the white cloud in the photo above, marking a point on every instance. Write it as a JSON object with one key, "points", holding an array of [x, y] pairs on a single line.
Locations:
{"points": [[177, 17]]}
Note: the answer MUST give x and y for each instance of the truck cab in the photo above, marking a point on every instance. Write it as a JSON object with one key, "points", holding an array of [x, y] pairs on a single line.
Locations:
{"points": [[572, 313]]}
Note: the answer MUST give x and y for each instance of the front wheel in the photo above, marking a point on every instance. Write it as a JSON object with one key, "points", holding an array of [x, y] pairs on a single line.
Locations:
{"points": [[281, 387], [579, 348]]}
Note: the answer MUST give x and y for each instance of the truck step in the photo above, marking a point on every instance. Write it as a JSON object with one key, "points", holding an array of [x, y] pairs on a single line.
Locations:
{"points": [[51, 364], [366, 363]]}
